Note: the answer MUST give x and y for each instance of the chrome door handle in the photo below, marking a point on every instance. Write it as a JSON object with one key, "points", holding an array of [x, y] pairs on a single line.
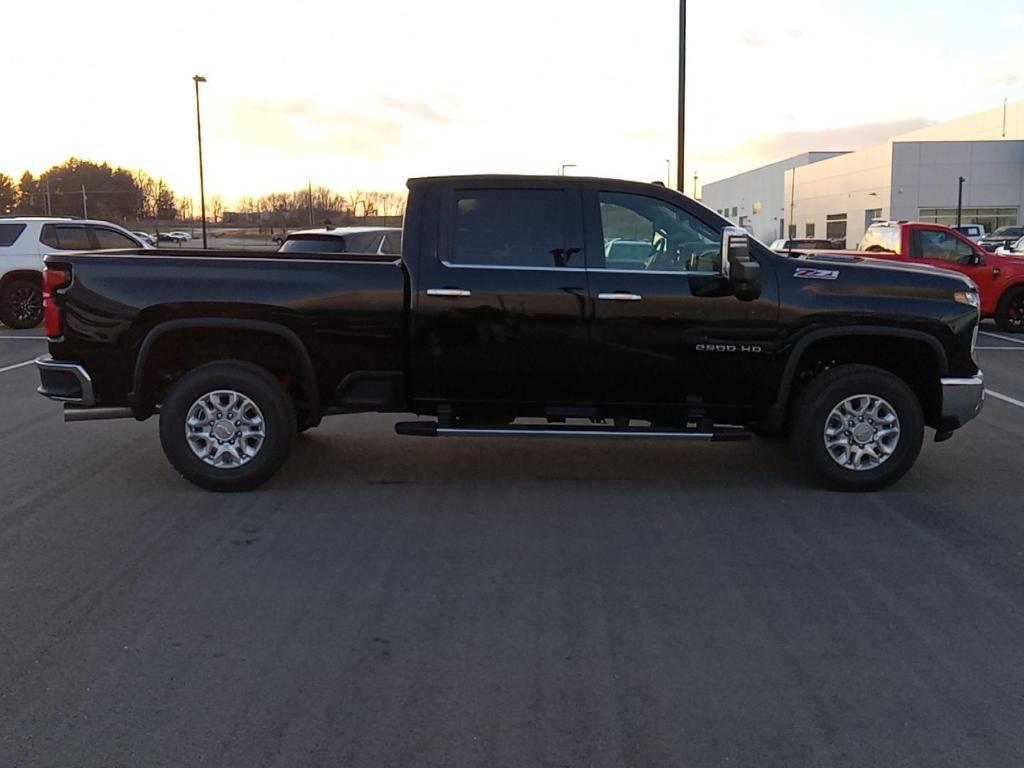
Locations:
{"points": [[619, 296], [451, 293]]}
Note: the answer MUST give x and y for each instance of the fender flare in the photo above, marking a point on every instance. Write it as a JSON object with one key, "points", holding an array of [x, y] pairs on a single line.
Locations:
{"points": [[308, 376], [777, 410]]}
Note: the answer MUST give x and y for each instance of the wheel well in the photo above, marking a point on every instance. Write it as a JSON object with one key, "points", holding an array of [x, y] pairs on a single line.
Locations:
{"points": [[178, 351], [21, 274], [913, 361]]}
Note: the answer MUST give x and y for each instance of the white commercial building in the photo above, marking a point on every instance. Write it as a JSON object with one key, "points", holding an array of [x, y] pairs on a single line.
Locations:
{"points": [[914, 176]]}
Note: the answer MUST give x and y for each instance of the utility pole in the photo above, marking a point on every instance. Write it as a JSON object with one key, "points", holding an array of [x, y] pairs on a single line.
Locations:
{"points": [[309, 182], [1004, 117], [960, 200], [682, 95], [85, 205], [49, 201], [199, 134]]}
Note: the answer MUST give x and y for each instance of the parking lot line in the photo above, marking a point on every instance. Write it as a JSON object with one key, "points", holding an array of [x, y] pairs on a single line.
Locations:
{"points": [[1001, 338], [17, 365], [1005, 398]]}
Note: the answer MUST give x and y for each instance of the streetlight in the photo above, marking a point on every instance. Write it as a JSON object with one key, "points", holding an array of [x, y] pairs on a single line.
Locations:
{"points": [[694, 185], [199, 134], [561, 171], [668, 173], [681, 180]]}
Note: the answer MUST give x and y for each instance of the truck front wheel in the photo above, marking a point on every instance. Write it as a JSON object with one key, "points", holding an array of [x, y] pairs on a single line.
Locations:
{"points": [[857, 428], [1010, 312], [227, 426]]}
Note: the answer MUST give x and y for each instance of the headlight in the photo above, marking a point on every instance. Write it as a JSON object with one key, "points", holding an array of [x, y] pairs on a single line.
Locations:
{"points": [[969, 297]]}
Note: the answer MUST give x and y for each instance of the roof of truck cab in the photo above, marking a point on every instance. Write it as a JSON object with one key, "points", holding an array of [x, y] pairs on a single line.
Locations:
{"points": [[512, 177]]}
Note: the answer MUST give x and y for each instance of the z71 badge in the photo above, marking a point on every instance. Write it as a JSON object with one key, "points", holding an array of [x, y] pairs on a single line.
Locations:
{"points": [[816, 274]]}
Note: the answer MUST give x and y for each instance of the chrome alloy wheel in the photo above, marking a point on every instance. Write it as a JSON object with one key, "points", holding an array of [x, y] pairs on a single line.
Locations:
{"points": [[225, 429], [862, 432]]}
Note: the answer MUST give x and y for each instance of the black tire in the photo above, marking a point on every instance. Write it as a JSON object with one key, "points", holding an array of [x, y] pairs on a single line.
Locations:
{"points": [[812, 411], [21, 303], [1010, 311], [262, 389]]}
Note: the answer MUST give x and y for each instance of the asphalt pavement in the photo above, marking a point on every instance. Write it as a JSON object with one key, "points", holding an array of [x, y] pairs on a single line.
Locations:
{"points": [[396, 601]]}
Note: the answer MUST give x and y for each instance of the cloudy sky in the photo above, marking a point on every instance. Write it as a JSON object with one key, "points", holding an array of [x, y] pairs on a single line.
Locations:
{"points": [[366, 94]]}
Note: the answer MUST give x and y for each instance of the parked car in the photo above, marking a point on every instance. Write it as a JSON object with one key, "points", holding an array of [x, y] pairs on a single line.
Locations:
{"points": [[145, 238], [23, 243], [344, 240], [179, 236], [1000, 279], [1002, 236], [502, 307], [1014, 249], [802, 244], [974, 231]]}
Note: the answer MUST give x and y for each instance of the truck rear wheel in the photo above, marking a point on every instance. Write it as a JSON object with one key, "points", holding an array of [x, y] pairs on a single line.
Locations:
{"points": [[857, 428], [227, 426], [1010, 312], [21, 303]]}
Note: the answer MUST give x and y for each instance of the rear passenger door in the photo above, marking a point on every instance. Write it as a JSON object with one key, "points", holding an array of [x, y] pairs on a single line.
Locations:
{"points": [[501, 299]]}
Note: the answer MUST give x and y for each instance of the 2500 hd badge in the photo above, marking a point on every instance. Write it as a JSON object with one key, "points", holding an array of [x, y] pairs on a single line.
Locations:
{"points": [[743, 348]]}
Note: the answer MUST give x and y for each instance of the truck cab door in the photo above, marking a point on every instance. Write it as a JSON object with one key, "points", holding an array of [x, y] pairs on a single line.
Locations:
{"points": [[949, 250], [499, 304], [667, 328]]}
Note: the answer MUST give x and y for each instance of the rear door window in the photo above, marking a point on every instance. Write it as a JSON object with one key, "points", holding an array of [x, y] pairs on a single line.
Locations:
{"points": [[510, 228], [9, 233], [66, 237]]}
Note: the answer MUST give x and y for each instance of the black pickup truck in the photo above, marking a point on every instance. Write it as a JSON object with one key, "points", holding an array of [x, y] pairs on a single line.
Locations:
{"points": [[521, 306]]}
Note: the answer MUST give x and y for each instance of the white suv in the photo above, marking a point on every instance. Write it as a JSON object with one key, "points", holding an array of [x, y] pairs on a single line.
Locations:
{"points": [[23, 243]]}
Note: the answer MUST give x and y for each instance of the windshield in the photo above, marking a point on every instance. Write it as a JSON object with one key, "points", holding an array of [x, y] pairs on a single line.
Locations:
{"points": [[1009, 231]]}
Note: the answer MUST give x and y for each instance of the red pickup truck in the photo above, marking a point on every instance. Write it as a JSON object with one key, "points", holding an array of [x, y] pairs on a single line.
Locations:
{"points": [[1000, 278]]}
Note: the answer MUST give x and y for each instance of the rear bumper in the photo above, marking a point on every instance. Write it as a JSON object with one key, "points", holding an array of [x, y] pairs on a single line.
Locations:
{"points": [[962, 400], [65, 382]]}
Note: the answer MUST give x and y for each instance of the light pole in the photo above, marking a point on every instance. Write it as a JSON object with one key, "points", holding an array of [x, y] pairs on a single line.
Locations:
{"points": [[681, 179], [199, 134], [960, 200], [668, 173], [694, 185], [561, 171]]}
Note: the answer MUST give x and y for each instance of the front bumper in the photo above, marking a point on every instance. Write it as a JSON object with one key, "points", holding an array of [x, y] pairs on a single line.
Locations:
{"points": [[962, 400], [65, 382]]}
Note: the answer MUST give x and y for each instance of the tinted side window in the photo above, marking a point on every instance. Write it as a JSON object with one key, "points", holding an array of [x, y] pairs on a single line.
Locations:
{"points": [[9, 233], [363, 242], [509, 228], [392, 244], [644, 233], [66, 237], [932, 244], [108, 238]]}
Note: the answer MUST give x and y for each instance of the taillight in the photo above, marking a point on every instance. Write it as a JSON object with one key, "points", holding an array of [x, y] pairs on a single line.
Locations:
{"points": [[53, 279]]}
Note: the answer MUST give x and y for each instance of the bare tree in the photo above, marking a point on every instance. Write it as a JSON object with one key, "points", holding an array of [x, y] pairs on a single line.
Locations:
{"points": [[216, 208]]}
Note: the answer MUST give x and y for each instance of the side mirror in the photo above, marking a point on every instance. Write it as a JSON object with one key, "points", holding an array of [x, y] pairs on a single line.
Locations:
{"points": [[738, 266]]}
